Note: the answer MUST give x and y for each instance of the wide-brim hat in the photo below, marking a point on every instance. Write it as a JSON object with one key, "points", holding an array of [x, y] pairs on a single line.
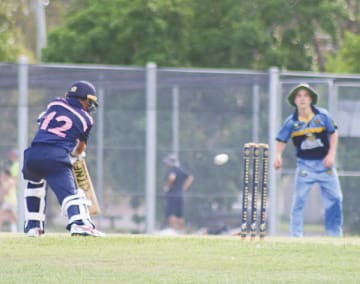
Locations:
{"points": [[313, 94]]}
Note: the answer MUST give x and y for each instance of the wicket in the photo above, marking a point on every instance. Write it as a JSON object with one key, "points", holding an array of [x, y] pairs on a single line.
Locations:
{"points": [[257, 178]]}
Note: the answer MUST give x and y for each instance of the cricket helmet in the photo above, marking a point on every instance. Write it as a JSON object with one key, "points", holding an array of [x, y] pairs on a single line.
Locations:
{"points": [[83, 90], [313, 94]]}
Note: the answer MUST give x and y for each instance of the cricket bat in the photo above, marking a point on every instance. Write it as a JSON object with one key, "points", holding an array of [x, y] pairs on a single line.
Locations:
{"points": [[83, 181]]}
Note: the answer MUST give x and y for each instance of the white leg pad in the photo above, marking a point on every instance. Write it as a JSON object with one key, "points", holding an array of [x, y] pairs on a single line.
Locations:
{"points": [[36, 190], [81, 203]]}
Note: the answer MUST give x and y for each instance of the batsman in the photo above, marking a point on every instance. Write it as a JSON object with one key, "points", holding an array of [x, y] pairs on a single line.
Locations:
{"points": [[61, 137]]}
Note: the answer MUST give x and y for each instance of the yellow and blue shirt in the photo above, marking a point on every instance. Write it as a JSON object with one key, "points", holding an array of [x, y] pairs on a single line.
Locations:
{"points": [[310, 138]]}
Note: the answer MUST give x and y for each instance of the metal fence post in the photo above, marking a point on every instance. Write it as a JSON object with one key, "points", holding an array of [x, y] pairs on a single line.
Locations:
{"points": [[175, 121], [255, 109], [100, 147], [150, 183], [274, 79], [41, 40], [22, 124]]}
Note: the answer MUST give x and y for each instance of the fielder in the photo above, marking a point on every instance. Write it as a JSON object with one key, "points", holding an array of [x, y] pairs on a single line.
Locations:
{"points": [[314, 136], [62, 136], [176, 181]]}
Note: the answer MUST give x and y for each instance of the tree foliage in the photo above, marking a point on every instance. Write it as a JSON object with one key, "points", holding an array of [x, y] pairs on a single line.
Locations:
{"points": [[290, 34], [9, 33], [344, 58], [123, 32], [228, 34], [347, 58], [18, 27]]}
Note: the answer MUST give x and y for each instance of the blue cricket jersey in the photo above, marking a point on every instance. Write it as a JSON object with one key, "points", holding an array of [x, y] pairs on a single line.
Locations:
{"points": [[181, 176], [64, 122], [310, 139]]}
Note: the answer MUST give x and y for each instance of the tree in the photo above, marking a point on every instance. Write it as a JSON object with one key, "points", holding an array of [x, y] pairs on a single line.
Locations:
{"points": [[226, 34], [123, 32], [344, 56], [295, 28], [208, 33], [9, 50], [347, 58]]}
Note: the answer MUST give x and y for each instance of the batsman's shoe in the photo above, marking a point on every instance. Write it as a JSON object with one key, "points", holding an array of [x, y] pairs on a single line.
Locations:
{"points": [[85, 230], [35, 232]]}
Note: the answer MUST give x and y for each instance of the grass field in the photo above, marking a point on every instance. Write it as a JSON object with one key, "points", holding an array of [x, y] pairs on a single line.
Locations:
{"points": [[59, 258]]}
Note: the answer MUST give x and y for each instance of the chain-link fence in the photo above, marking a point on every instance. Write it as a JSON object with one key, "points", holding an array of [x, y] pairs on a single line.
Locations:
{"points": [[193, 113]]}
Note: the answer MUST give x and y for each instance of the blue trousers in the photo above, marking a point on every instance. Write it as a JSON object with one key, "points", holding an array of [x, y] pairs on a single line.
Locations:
{"points": [[308, 173], [53, 165]]}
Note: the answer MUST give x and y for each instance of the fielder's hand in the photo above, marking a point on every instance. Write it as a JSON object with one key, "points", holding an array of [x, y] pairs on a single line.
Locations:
{"points": [[278, 163]]}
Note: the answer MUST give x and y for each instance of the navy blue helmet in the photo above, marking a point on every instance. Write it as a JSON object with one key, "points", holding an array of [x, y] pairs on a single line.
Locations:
{"points": [[84, 90]]}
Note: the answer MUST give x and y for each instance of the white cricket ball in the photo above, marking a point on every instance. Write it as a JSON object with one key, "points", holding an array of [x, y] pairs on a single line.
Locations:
{"points": [[221, 159]]}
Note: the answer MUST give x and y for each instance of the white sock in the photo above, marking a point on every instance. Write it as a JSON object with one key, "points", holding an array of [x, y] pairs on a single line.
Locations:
{"points": [[13, 228]]}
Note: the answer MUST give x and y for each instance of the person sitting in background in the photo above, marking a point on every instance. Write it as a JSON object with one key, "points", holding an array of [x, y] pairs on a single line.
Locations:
{"points": [[8, 185]]}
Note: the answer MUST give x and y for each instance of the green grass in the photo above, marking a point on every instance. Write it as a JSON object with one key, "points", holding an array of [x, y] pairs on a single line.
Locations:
{"points": [[59, 258], [309, 229]]}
